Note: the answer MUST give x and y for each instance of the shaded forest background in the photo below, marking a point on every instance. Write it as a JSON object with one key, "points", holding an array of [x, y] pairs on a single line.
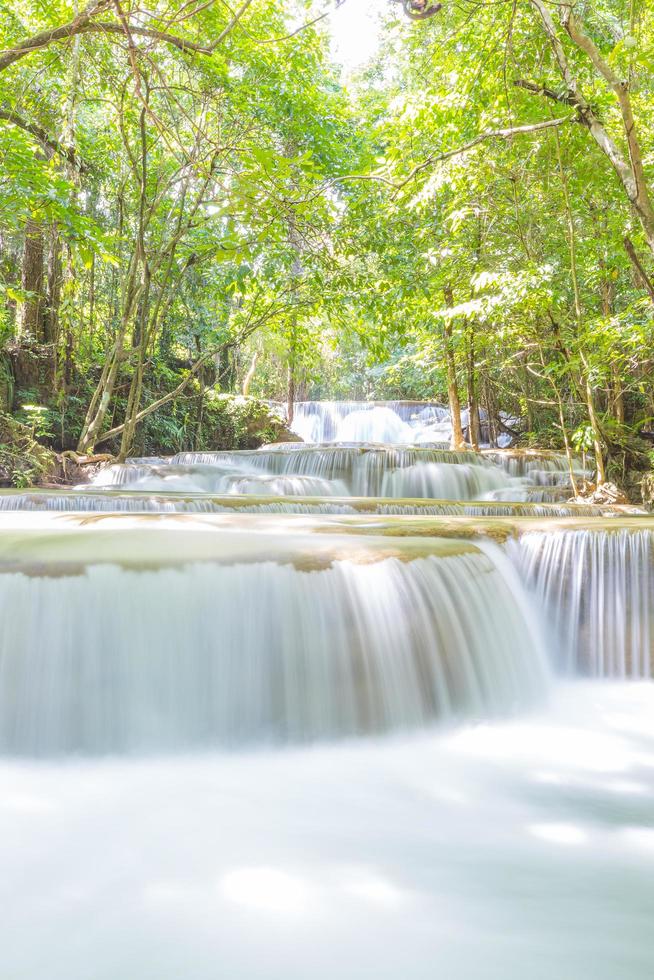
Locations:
{"points": [[196, 202]]}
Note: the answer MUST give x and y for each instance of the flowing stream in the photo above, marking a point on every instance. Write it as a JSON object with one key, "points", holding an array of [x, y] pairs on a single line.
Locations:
{"points": [[361, 710]]}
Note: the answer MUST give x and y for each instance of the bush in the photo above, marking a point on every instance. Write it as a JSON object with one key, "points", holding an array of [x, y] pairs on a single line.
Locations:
{"points": [[240, 422]]}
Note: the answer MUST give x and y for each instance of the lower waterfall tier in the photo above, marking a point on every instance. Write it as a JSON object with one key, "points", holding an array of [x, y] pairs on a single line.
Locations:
{"points": [[596, 589], [104, 658], [148, 632]]}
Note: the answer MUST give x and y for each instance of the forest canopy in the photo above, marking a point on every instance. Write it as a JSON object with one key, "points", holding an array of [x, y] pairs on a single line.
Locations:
{"points": [[197, 199]]}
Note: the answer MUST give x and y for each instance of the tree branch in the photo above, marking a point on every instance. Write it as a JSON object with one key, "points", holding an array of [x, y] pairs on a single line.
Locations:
{"points": [[482, 137], [638, 266], [548, 93], [232, 24], [436, 158], [641, 200], [85, 23], [110, 433], [630, 172], [41, 136], [44, 38]]}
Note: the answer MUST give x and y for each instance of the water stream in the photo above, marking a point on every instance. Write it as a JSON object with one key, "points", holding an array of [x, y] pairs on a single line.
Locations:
{"points": [[352, 469], [327, 710]]}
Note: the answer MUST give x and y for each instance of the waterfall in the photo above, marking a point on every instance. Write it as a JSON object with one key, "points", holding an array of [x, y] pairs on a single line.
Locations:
{"points": [[166, 630], [361, 469], [392, 421], [447, 481], [352, 421], [358, 469], [597, 589], [208, 653], [378, 424], [139, 501], [199, 657], [341, 469], [521, 464], [541, 469]]}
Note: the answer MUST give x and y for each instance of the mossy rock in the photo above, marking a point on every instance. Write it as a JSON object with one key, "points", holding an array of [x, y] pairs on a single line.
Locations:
{"points": [[647, 489], [23, 461], [241, 422]]}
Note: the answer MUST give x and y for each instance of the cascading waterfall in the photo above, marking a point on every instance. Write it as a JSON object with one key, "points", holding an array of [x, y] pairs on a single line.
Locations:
{"points": [[281, 458], [139, 501], [597, 588], [521, 464], [360, 470], [204, 679], [208, 653], [319, 422], [540, 469], [443, 480], [217, 479], [394, 421], [364, 470], [374, 425]]}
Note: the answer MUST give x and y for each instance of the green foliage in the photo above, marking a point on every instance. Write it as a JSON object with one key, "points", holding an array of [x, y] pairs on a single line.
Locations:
{"points": [[210, 422], [23, 461], [196, 227], [239, 423]]}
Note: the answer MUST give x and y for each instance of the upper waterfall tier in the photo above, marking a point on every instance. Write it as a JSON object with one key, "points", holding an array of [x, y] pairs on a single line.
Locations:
{"points": [[338, 470], [129, 635], [386, 422]]}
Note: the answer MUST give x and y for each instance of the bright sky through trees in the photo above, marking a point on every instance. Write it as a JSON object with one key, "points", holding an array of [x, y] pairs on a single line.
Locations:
{"points": [[355, 31]]}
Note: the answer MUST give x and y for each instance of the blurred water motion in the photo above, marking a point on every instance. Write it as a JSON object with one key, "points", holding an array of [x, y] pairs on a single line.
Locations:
{"points": [[314, 710], [508, 851]]}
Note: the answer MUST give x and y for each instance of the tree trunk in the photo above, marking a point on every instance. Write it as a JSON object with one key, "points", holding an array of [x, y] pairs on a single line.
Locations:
{"points": [[616, 399], [597, 433], [639, 269], [32, 308], [630, 170], [458, 442], [474, 425], [290, 395], [617, 395], [247, 380], [226, 368], [51, 317], [102, 395], [585, 380]]}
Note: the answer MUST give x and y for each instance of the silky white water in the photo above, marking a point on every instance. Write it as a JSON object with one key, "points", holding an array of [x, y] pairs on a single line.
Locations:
{"points": [[596, 588], [521, 850], [348, 468], [219, 646], [443, 480], [264, 718], [389, 422], [169, 501]]}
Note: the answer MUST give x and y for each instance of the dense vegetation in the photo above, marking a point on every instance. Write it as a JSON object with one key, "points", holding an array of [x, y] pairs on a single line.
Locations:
{"points": [[194, 199]]}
